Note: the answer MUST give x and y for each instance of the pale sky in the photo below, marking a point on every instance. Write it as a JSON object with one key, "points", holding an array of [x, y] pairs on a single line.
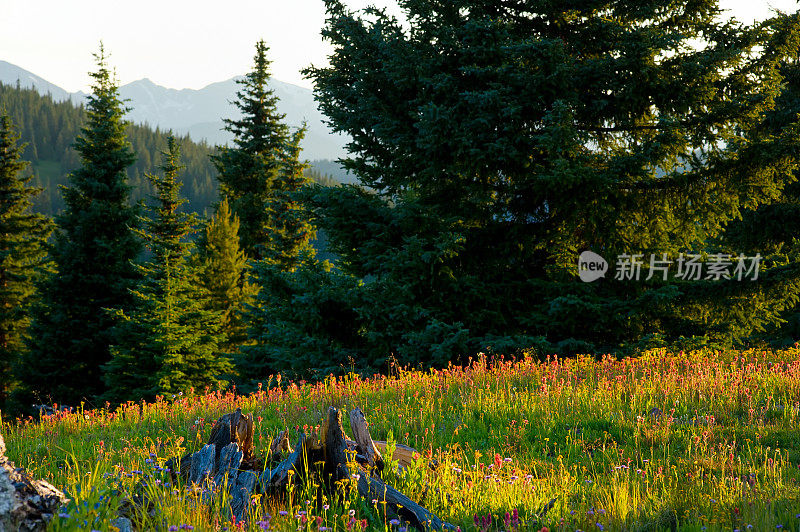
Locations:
{"points": [[189, 43]]}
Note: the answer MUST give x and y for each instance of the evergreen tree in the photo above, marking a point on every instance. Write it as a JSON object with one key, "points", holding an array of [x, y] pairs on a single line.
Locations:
{"points": [[302, 323], [23, 255], [770, 229], [501, 140], [289, 232], [261, 172], [36, 114], [40, 118], [170, 340], [225, 273], [93, 252]]}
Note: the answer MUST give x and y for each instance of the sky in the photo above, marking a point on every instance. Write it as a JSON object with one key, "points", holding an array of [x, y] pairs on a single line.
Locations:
{"points": [[190, 43]]}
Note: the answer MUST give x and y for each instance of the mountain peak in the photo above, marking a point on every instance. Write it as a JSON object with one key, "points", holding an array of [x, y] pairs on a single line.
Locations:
{"points": [[11, 74], [200, 112]]}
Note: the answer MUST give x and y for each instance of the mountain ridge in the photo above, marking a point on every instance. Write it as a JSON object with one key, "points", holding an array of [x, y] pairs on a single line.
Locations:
{"points": [[10, 74], [199, 112]]}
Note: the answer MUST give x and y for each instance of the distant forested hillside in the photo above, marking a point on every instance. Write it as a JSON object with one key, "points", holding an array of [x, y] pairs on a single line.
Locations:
{"points": [[334, 171], [49, 128]]}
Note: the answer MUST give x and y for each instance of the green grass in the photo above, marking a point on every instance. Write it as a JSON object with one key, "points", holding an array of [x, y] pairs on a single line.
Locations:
{"points": [[723, 454]]}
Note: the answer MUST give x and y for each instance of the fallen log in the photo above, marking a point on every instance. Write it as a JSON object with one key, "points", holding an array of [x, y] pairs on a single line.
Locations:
{"points": [[403, 454], [26, 504], [416, 515]]}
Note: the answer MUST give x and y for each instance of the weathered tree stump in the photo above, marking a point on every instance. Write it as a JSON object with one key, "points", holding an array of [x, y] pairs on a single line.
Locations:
{"points": [[227, 460], [368, 486], [123, 524], [280, 445], [335, 449], [231, 428], [201, 464], [228, 465], [220, 462], [26, 504], [364, 444], [278, 478], [240, 494]]}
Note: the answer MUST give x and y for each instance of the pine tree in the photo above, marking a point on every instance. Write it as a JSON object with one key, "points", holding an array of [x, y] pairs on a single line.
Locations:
{"points": [[261, 173], [23, 254], [225, 273], [93, 251], [770, 229], [289, 232], [170, 340], [39, 117], [302, 323], [501, 141]]}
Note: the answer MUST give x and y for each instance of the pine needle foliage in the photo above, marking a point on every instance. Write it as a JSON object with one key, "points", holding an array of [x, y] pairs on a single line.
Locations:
{"points": [[170, 340]]}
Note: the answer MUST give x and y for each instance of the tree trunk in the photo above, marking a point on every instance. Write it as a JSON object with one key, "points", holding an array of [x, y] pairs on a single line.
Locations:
{"points": [[365, 446]]}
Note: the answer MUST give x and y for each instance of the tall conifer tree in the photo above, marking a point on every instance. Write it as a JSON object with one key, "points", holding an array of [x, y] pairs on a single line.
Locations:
{"points": [[225, 273], [262, 171], [770, 229], [94, 250], [170, 340], [500, 140], [290, 231], [23, 254]]}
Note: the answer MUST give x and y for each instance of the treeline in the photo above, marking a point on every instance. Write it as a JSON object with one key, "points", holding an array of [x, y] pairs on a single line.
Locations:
{"points": [[48, 130], [123, 303], [493, 148]]}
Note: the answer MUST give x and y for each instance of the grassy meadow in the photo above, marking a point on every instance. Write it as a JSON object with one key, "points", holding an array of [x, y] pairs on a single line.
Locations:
{"points": [[706, 440]]}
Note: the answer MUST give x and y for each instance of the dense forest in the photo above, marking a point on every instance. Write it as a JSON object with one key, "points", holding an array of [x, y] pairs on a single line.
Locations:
{"points": [[492, 149], [49, 128]]}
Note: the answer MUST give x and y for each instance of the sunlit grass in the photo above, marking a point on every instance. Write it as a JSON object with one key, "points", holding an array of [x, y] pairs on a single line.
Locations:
{"points": [[699, 441]]}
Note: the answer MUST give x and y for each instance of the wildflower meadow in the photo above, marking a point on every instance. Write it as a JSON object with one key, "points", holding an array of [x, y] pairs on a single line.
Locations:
{"points": [[706, 440]]}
